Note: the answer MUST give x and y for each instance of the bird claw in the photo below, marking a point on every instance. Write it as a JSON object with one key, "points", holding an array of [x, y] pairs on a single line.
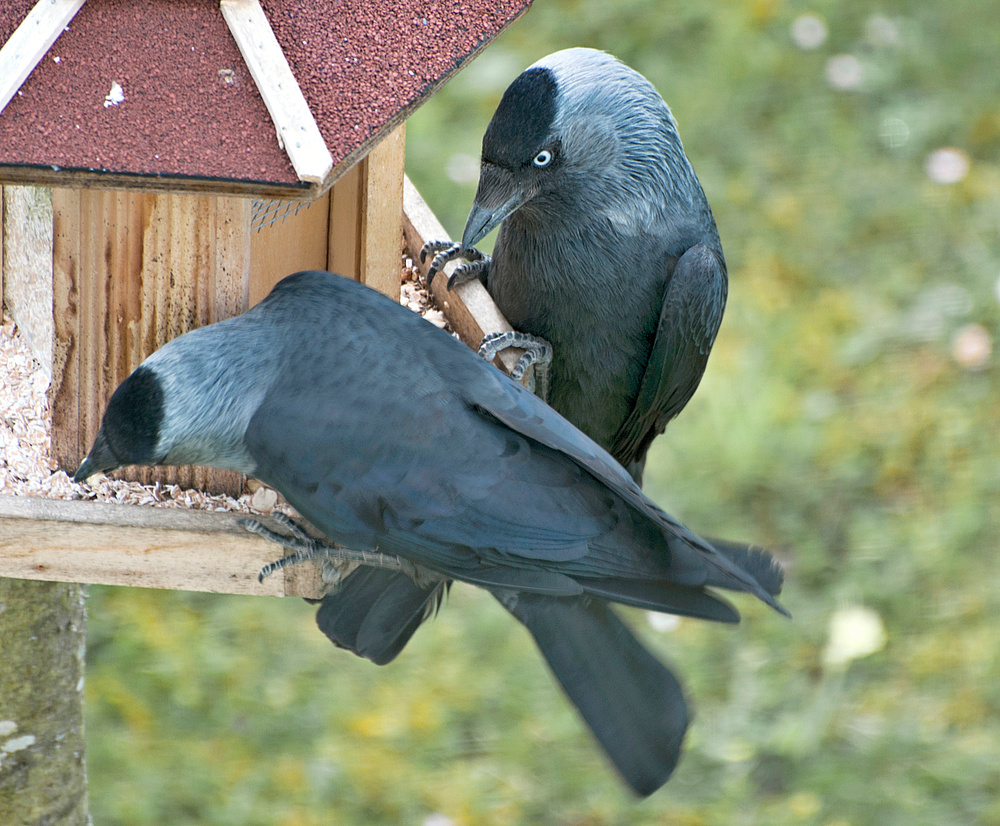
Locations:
{"points": [[537, 353], [335, 561], [302, 546], [477, 263], [468, 271]]}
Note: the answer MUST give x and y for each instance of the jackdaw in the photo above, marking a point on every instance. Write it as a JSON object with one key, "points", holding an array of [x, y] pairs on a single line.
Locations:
{"points": [[607, 247], [314, 391]]}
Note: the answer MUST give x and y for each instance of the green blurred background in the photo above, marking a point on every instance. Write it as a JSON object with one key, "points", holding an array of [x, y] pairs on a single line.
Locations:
{"points": [[848, 419]]}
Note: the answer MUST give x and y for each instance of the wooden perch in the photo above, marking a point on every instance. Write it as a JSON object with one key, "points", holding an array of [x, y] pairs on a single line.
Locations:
{"points": [[31, 41], [468, 308], [74, 541], [297, 129]]}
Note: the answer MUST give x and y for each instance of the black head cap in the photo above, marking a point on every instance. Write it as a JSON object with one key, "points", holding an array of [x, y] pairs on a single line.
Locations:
{"points": [[523, 119], [131, 426]]}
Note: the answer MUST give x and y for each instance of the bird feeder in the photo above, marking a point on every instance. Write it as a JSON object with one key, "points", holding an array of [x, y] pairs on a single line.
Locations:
{"points": [[163, 165]]}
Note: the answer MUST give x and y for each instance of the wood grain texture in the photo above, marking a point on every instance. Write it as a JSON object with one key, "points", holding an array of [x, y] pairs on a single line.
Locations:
{"points": [[366, 217], [30, 42], [186, 550], [130, 272], [293, 120], [344, 235], [27, 229], [382, 213]]}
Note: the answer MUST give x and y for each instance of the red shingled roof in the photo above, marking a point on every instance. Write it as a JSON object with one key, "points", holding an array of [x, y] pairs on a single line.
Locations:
{"points": [[192, 117]]}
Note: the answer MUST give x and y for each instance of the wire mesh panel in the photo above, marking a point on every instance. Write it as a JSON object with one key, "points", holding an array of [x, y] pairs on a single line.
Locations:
{"points": [[267, 211]]}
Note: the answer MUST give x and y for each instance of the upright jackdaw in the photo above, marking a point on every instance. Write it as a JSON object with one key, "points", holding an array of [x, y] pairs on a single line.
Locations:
{"points": [[607, 248], [313, 391]]}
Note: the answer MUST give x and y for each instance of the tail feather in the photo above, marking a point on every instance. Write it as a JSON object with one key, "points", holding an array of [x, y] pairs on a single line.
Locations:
{"points": [[630, 701], [731, 565], [374, 612], [757, 562]]}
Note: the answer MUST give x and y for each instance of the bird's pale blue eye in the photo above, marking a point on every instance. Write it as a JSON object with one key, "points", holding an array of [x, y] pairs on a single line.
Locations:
{"points": [[543, 158]]}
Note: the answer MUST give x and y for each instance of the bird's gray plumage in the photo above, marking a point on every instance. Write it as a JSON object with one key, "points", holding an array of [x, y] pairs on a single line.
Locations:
{"points": [[498, 490], [609, 251]]}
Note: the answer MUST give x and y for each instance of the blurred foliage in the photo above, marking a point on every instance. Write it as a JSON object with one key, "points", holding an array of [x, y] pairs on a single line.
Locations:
{"points": [[848, 419]]}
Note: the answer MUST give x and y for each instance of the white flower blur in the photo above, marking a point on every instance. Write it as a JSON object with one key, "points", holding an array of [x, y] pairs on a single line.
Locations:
{"points": [[894, 132], [808, 32], [855, 632], [881, 31], [438, 819], [972, 347], [845, 72], [662, 622], [947, 165]]}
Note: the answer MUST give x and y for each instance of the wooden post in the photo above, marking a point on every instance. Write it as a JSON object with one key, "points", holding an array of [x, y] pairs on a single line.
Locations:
{"points": [[366, 217], [130, 272], [43, 773], [27, 219]]}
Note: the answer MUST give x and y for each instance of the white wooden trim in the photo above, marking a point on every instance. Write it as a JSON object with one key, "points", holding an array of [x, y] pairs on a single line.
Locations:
{"points": [[295, 125], [31, 41]]}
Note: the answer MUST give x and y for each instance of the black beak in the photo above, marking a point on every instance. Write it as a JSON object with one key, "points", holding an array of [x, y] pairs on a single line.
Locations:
{"points": [[497, 198], [99, 460]]}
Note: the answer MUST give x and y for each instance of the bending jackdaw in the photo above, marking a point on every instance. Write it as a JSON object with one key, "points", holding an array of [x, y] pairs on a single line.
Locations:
{"points": [[313, 391], [607, 247]]}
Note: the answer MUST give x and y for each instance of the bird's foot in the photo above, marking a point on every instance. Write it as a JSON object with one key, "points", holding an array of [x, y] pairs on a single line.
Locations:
{"points": [[537, 352], [476, 265], [334, 560]]}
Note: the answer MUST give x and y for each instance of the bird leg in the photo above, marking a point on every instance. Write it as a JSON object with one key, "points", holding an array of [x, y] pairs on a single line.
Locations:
{"points": [[537, 351], [476, 266], [334, 560]]}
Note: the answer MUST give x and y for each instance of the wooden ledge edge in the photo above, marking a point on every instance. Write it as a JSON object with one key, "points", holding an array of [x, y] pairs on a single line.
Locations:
{"points": [[147, 547]]}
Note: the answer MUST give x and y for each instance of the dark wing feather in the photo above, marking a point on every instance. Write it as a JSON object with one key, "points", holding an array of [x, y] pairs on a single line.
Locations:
{"points": [[693, 304], [693, 561]]}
